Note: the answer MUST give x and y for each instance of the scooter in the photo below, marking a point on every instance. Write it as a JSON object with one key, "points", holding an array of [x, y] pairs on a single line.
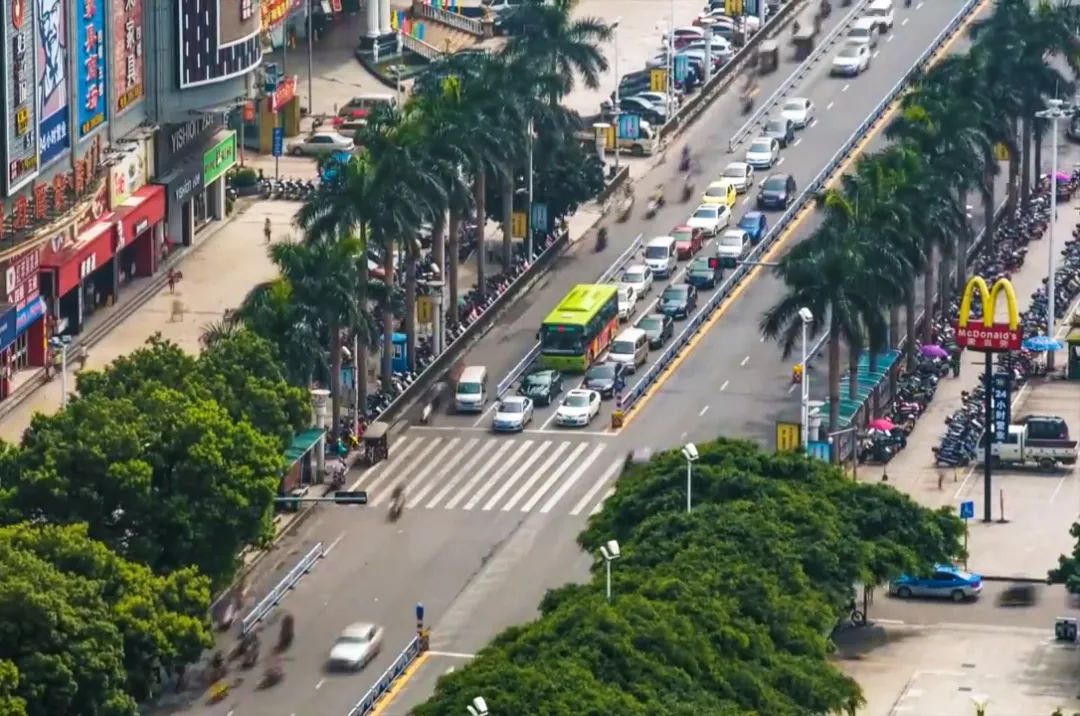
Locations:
{"points": [[397, 505], [654, 206], [687, 190]]}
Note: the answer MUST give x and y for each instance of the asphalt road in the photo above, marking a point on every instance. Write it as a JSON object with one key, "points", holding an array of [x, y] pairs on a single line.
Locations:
{"points": [[492, 519], [1050, 602]]}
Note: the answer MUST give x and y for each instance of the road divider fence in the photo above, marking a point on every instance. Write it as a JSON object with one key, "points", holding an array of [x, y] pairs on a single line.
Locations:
{"points": [[795, 77], [809, 192], [609, 273], [407, 656], [271, 600]]}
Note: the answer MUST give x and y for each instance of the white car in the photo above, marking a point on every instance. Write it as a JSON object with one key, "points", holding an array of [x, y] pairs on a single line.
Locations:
{"points": [[578, 408], [320, 144], [799, 110], [637, 278], [710, 218], [513, 414], [763, 153], [627, 301], [864, 31], [882, 13], [741, 175], [852, 60], [662, 101], [357, 645]]}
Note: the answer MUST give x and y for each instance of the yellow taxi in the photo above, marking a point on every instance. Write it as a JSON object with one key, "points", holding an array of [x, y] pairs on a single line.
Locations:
{"points": [[720, 192]]}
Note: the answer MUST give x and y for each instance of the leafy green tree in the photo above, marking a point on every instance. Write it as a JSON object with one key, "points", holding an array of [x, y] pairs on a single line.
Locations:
{"points": [[11, 704], [165, 479]]}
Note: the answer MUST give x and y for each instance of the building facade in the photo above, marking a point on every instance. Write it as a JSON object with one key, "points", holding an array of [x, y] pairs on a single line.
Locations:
{"points": [[114, 150]]}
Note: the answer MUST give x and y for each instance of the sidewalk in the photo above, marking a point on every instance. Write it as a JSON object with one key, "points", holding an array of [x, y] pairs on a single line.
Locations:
{"points": [[1039, 507]]}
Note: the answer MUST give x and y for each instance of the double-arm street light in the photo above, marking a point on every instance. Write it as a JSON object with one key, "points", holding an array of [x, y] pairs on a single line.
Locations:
{"points": [[1054, 112], [807, 318], [690, 452], [610, 553]]}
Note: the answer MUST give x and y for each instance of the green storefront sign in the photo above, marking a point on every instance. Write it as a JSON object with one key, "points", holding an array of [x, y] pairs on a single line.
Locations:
{"points": [[219, 158]]}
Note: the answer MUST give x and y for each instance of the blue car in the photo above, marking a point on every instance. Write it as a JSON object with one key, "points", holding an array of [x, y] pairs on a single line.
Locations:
{"points": [[756, 224], [945, 581]]}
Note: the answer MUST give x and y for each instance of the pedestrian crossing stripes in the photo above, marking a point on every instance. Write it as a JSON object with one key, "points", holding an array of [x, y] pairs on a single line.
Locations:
{"points": [[494, 474]]}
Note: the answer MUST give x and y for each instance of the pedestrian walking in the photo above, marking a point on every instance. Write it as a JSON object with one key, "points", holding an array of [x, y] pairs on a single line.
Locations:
{"points": [[954, 361], [266, 230]]}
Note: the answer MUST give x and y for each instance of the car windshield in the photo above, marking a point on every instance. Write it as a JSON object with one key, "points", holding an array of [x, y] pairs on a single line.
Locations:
{"points": [[537, 380], [633, 276], [352, 640], [858, 32], [718, 190], [468, 388], [656, 252], [731, 242], [735, 172], [877, 12], [774, 184], [683, 235], [705, 213], [604, 371], [563, 339], [793, 107], [748, 223], [700, 266], [577, 401], [650, 324], [673, 293], [510, 406], [624, 294], [775, 126], [622, 347], [849, 52], [761, 147]]}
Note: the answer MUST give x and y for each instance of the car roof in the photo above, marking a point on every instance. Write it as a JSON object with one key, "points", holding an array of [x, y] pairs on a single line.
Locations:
{"points": [[682, 227], [784, 177], [636, 267], [514, 399], [753, 215], [801, 100], [769, 140], [579, 391], [719, 183], [741, 165], [357, 629], [710, 207], [864, 23]]}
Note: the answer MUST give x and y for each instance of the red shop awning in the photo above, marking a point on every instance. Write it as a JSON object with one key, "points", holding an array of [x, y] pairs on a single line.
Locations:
{"points": [[140, 211]]}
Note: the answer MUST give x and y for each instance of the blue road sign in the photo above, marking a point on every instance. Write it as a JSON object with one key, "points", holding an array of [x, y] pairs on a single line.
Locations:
{"points": [[279, 141], [819, 449], [629, 126], [419, 611], [682, 66], [967, 509], [539, 216]]}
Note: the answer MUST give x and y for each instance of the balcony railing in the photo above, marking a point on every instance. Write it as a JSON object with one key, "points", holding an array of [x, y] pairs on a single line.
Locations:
{"points": [[450, 19]]}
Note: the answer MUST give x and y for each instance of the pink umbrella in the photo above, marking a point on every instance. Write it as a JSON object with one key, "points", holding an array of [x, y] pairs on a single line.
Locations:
{"points": [[882, 424], [932, 350], [1063, 176]]}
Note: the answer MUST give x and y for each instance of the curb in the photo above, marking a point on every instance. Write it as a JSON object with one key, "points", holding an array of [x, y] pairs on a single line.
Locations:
{"points": [[1018, 580]]}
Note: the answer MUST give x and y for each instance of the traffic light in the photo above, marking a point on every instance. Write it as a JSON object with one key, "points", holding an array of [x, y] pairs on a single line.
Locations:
{"points": [[350, 497]]}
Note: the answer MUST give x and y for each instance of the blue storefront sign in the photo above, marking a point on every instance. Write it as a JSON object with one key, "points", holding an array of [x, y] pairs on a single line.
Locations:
{"points": [[52, 81], [7, 328], [28, 314], [92, 99], [629, 126], [279, 141]]}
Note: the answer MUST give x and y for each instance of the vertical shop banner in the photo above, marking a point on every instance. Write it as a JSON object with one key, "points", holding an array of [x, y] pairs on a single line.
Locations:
{"points": [[1001, 392], [52, 67], [127, 54], [20, 99], [93, 97]]}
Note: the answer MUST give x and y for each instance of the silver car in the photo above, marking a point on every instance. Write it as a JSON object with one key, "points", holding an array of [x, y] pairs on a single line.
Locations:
{"points": [[513, 414], [320, 144], [357, 645]]}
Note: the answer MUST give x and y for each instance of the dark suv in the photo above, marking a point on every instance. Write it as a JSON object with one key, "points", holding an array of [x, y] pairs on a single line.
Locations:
{"points": [[777, 192]]}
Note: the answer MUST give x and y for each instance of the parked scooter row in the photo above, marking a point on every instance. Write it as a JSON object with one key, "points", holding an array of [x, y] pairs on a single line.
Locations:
{"points": [[288, 188]]}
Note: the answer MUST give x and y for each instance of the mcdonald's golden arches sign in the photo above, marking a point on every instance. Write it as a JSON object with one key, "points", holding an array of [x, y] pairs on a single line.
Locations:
{"points": [[985, 334]]}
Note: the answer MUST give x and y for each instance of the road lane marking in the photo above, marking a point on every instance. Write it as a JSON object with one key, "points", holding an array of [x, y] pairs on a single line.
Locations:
{"points": [[704, 410], [502, 468], [548, 464], [484, 415], [792, 388], [466, 470], [890, 38], [919, 6], [796, 142], [902, 23], [328, 550], [436, 481], [395, 457], [522, 469], [789, 231], [725, 385], [550, 482], [399, 684], [744, 361], [829, 105], [319, 685], [1057, 489], [746, 201], [600, 504], [555, 412], [453, 655], [813, 122], [414, 481], [876, 53], [400, 467], [779, 161], [845, 87], [574, 477], [587, 498]]}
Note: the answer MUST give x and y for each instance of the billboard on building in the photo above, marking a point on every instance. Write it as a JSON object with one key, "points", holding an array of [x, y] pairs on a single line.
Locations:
{"points": [[127, 175], [52, 73], [92, 101], [127, 54], [219, 39], [20, 99]]}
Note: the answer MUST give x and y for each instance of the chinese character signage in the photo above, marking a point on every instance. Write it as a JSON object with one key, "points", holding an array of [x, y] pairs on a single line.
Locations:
{"points": [[284, 93], [273, 12], [127, 176], [1002, 407], [52, 67], [127, 54], [982, 333], [20, 99], [218, 40], [219, 158], [93, 97], [21, 278]]}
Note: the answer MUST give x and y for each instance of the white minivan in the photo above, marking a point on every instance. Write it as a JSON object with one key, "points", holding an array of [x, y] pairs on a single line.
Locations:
{"points": [[660, 256], [882, 12], [470, 394], [631, 348]]}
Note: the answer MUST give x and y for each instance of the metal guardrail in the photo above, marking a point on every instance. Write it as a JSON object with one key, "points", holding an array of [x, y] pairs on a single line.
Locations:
{"points": [[523, 365], [650, 376], [282, 588], [407, 656], [415, 44], [450, 19], [798, 74]]}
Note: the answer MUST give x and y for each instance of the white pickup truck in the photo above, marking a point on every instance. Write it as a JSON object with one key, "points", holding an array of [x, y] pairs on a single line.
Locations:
{"points": [[1036, 442]]}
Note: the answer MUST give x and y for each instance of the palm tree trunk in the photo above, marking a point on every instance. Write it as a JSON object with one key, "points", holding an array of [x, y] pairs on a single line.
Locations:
{"points": [[928, 300], [410, 306], [962, 242], [854, 352], [1039, 130], [506, 184], [335, 377], [894, 326], [945, 276], [479, 198], [909, 327], [989, 202], [438, 241], [454, 247], [362, 344], [834, 377], [1025, 159], [386, 367], [1013, 186]]}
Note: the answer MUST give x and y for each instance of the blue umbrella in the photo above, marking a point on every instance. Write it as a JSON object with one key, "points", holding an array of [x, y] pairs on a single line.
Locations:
{"points": [[1042, 344]]}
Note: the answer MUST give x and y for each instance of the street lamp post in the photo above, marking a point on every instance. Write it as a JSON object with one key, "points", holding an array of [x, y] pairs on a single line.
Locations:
{"points": [[61, 343], [529, 209], [1054, 112], [478, 707], [707, 23], [615, 38], [690, 452], [610, 553], [671, 61], [807, 318]]}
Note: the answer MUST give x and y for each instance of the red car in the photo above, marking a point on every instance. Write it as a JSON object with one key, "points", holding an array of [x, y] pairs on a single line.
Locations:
{"points": [[688, 241]]}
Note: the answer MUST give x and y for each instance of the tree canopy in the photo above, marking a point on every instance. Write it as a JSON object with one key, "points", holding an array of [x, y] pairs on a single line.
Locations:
{"points": [[726, 610]]}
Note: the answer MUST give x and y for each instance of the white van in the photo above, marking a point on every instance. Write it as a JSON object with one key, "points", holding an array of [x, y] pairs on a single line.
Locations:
{"points": [[864, 31], [882, 12], [471, 391], [631, 348], [660, 256]]}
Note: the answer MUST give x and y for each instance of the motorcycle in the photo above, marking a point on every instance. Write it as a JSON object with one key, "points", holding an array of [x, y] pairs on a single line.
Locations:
{"points": [[397, 505], [655, 203], [272, 676], [626, 207], [687, 190], [601, 239]]}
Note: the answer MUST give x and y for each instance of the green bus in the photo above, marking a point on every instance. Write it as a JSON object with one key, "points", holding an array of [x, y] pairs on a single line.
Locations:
{"points": [[580, 328]]}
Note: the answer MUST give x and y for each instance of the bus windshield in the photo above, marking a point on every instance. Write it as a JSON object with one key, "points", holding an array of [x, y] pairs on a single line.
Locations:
{"points": [[562, 339]]}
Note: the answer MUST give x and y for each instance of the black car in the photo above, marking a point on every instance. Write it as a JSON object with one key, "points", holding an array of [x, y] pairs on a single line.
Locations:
{"points": [[678, 300], [780, 129], [658, 327], [542, 386], [704, 273], [777, 192], [605, 378]]}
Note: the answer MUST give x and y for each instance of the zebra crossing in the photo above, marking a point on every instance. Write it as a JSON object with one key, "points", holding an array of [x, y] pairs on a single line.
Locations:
{"points": [[495, 474]]}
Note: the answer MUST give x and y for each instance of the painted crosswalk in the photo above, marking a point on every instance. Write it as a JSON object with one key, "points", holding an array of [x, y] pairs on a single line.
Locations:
{"points": [[495, 474]]}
